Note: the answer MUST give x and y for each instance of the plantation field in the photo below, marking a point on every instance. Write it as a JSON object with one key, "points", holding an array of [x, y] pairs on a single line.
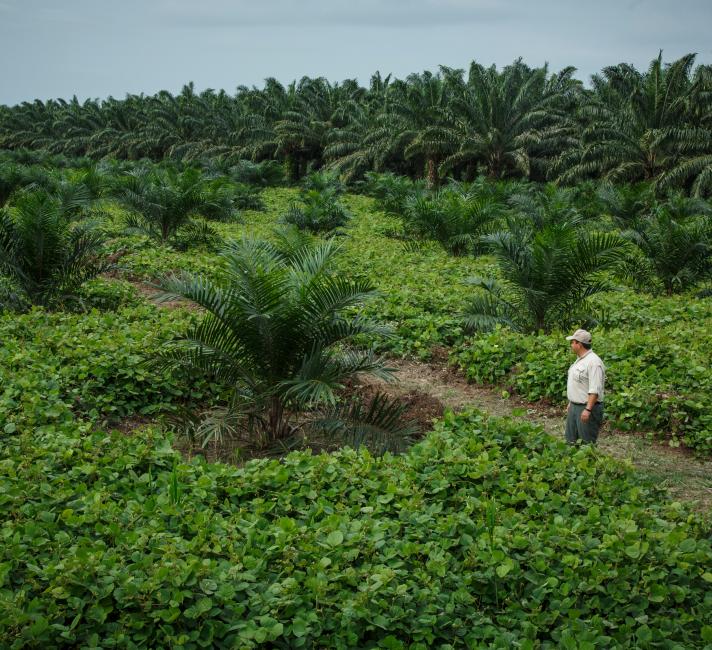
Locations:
{"points": [[487, 532], [659, 372]]}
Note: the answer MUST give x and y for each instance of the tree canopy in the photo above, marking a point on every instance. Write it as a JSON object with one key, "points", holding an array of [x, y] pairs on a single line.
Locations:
{"points": [[517, 122]]}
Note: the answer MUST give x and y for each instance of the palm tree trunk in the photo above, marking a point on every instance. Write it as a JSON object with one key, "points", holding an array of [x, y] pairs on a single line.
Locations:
{"points": [[277, 421], [432, 173], [495, 167], [292, 165], [540, 321], [470, 172]]}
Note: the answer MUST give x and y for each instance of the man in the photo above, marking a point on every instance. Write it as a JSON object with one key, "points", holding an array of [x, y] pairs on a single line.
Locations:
{"points": [[584, 390]]}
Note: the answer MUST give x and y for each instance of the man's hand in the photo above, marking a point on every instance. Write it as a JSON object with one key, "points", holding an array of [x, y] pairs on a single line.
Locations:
{"points": [[568, 407], [586, 413]]}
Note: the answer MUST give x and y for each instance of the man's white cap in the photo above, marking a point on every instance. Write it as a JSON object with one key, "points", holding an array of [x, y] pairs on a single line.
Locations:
{"points": [[582, 336]]}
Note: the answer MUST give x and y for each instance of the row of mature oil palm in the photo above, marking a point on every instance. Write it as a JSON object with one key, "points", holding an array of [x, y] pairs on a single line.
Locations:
{"points": [[556, 248], [518, 122], [278, 325]]}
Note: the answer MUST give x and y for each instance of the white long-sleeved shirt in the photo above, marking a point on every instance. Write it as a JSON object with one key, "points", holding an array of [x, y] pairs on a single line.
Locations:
{"points": [[586, 375]]}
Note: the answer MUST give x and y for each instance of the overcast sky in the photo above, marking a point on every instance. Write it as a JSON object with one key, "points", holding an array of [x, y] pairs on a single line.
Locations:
{"points": [[97, 48]]}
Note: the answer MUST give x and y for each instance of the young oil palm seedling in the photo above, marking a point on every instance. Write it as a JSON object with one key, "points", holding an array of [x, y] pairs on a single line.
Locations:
{"points": [[279, 330], [81, 190], [164, 205], [268, 173], [242, 195], [74, 197], [674, 253], [324, 181], [626, 204], [456, 219], [45, 258], [14, 177], [391, 191], [548, 275], [319, 212], [247, 197], [542, 208], [681, 207]]}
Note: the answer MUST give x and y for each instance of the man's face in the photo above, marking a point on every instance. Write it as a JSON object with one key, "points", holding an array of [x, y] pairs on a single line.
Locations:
{"points": [[575, 346]]}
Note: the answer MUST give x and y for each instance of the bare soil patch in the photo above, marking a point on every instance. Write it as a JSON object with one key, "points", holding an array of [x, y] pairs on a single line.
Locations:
{"points": [[150, 293], [130, 424], [421, 407]]}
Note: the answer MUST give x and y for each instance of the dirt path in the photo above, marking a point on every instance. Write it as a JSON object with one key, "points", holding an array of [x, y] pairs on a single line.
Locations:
{"points": [[686, 477], [150, 292]]}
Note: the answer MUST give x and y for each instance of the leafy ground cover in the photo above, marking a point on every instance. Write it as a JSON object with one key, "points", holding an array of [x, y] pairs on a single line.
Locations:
{"points": [[371, 248], [423, 289], [686, 477], [58, 366], [486, 534]]}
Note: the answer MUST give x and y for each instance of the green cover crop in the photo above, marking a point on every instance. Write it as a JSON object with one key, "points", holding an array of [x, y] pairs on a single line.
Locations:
{"points": [[487, 534]]}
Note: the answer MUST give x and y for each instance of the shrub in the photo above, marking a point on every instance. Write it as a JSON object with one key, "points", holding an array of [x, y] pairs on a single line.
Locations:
{"points": [[43, 256], [277, 331], [319, 212], [107, 295]]}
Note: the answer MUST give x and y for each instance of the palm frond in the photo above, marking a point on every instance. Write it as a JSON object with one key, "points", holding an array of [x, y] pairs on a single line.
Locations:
{"points": [[379, 424]]}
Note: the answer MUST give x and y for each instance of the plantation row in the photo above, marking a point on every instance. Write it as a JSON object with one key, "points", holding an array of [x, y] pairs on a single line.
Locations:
{"points": [[520, 122]]}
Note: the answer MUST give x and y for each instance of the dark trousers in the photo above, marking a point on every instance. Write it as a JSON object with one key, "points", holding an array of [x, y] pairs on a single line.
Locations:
{"points": [[585, 431]]}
